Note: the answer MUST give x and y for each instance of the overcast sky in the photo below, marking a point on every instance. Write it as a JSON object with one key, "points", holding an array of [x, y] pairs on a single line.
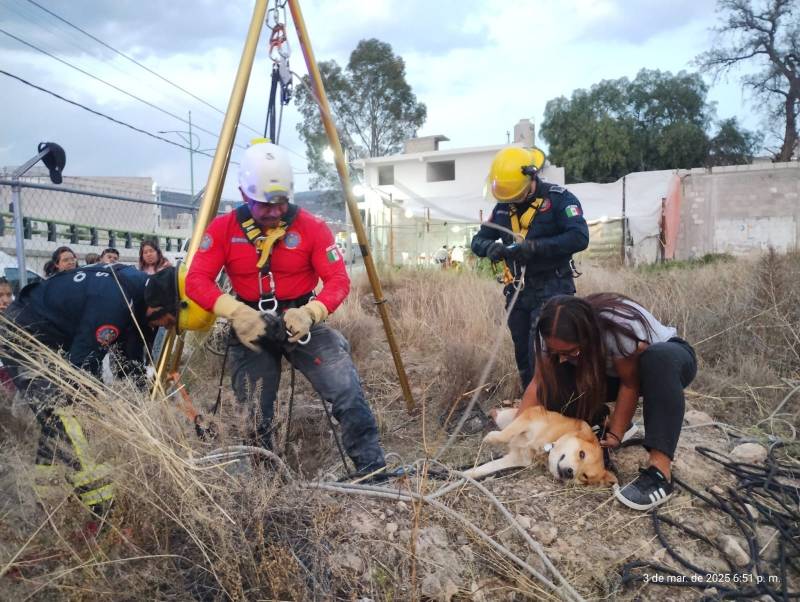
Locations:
{"points": [[479, 66]]}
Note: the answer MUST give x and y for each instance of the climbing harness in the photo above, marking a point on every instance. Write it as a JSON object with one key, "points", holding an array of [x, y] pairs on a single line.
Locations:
{"points": [[264, 244], [520, 224]]}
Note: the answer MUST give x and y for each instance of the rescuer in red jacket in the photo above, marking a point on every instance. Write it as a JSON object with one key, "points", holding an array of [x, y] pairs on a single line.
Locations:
{"points": [[274, 254]]}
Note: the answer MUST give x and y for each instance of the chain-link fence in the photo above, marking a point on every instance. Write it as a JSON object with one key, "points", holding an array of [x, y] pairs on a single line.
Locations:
{"points": [[88, 215]]}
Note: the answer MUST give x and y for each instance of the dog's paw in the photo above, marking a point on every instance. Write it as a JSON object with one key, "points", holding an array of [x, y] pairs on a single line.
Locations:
{"points": [[493, 437]]}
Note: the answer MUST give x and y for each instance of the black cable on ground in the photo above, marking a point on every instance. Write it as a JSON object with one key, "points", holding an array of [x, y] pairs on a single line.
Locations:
{"points": [[772, 491]]}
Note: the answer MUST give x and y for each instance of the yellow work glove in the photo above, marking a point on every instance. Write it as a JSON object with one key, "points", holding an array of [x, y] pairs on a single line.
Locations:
{"points": [[299, 320], [246, 321]]}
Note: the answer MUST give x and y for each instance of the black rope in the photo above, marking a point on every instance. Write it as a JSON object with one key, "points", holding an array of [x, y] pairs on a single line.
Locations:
{"points": [[336, 439], [771, 489], [269, 126], [218, 403]]}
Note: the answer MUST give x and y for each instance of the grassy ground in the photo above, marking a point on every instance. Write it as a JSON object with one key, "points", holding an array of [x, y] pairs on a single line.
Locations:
{"points": [[187, 531]]}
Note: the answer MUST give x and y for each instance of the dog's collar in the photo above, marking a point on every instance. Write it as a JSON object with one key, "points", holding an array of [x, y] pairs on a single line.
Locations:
{"points": [[548, 447]]}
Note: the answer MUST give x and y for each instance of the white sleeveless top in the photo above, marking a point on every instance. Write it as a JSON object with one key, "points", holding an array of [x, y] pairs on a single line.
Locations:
{"points": [[657, 333]]}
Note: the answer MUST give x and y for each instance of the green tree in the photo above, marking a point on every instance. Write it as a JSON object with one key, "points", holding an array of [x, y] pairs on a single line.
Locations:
{"points": [[656, 121], [373, 107], [732, 145], [766, 34]]}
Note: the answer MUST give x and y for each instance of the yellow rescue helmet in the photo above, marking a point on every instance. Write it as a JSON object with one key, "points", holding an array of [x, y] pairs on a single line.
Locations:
{"points": [[190, 315], [512, 171]]}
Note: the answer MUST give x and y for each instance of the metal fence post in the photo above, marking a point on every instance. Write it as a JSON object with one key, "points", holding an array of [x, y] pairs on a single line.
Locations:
{"points": [[16, 200]]}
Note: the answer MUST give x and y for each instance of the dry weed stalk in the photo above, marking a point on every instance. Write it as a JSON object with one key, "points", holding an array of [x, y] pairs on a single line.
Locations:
{"points": [[188, 527]]}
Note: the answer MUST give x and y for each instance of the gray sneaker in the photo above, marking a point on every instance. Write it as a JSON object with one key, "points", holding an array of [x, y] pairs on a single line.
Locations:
{"points": [[650, 489]]}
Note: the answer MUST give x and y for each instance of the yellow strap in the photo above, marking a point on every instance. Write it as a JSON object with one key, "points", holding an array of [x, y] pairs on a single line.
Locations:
{"points": [[520, 225], [98, 496], [76, 438], [94, 473], [265, 243]]}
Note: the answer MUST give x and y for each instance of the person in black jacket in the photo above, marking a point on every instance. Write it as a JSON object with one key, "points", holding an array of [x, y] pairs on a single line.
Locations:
{"points": [[535, 228], [82, 312]]}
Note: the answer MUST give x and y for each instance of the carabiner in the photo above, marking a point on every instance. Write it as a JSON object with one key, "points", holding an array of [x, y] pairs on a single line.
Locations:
{"points": [[268, 305], [302, 341]]}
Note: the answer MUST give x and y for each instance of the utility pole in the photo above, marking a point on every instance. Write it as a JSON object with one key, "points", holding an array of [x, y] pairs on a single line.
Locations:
{"points": [[191, 155]]}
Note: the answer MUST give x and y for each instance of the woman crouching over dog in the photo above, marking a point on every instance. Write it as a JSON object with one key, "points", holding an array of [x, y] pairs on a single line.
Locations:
{"points": [[606, 347]]}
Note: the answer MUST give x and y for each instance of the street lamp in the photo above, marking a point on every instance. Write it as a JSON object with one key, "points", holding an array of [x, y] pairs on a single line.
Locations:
{"points": [[188, 138]]}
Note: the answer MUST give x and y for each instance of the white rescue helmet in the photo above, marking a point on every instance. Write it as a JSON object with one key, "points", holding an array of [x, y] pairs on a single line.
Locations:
{"points": [[265, 173]]}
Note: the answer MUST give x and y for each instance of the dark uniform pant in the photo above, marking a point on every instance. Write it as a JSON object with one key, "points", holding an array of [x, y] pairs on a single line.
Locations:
{"points": [[325, 361], [62, 440], [665, 370], [525, 314]]}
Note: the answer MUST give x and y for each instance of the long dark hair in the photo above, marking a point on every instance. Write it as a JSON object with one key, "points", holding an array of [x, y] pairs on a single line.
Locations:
{"points": [[156, 248], [50, 268], [585, 323]]}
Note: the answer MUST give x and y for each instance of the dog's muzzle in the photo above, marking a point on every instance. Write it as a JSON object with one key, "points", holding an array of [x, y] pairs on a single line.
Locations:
{"points": [[564, 473]]}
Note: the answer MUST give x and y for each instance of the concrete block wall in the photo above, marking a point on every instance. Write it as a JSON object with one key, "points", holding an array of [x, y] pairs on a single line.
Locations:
{"points": [[740, 209]]}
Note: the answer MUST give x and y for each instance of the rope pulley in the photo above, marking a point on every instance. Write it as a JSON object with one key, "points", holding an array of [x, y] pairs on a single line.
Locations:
{"points": [[279, 52]]}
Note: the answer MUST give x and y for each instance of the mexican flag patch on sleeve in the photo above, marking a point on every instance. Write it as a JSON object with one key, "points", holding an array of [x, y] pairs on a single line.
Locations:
{"points": [[333, 254], [572, 211]]}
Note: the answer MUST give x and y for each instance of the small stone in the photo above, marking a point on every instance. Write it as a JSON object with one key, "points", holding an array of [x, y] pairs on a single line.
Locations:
{"points": [[438, 587], [752, 512], [402, 506], [382, 516], [536, 562], [523, 521], [391, 528], [751, 453], [733, 549], [544, 534], [710, 528], [695, 417]]}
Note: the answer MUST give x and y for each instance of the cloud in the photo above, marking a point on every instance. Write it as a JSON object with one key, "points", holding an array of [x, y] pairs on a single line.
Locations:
{"points": [[637, 21], [141, 28], [478, 66]]}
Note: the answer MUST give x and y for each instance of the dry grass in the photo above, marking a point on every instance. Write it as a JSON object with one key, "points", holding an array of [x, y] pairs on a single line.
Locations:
{"points": [[185, 531]]}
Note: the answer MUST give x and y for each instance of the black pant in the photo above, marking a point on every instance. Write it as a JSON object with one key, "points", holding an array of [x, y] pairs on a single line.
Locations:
{"points": [[665, 370], [523, 317]]}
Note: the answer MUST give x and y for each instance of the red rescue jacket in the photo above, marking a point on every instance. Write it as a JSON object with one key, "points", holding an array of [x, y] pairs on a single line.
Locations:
{"points": [[306, 254]]}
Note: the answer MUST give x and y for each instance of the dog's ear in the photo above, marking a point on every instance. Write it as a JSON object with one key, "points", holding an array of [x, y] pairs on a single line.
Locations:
{"points": [[587, 434]]}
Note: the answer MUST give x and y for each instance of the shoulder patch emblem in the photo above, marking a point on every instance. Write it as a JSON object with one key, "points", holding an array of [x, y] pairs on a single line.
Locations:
{"points": [[558, 189], [546, 206], [106, 334], [573, 211], [292, 240], [206, 242], [333, 254]]}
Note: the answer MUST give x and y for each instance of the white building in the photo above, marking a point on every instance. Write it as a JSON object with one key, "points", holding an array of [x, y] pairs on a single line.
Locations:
{"points": [[426, 197]]}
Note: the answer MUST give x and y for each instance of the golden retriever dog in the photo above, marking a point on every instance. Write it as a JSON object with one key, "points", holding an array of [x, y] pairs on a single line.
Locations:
{"points": [[574, 451]]}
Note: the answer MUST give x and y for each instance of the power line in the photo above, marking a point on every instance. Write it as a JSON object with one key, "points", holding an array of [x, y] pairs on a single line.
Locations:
{"points": [[110, 85], [112, 119], [135, 62]]}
